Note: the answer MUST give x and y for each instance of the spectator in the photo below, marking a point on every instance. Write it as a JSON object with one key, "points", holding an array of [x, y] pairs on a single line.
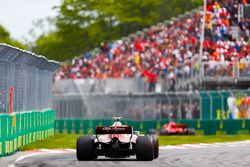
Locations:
{"points": [[220, 48], [169, 52]]}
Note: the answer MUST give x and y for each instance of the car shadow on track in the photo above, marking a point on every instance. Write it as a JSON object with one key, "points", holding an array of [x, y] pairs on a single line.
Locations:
{"points": [[114, 159]]}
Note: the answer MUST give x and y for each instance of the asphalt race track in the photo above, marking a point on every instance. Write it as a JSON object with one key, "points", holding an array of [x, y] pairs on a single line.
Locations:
{"points": [[226, 156]]}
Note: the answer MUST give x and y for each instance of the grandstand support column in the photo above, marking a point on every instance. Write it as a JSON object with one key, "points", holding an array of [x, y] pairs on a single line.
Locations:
{"points": [[201, 41]]}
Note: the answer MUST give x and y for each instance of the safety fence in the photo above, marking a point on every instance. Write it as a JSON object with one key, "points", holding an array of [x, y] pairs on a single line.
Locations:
{"points": [[25, 96], [19, 129], [231, 104], [100, 86], [25, 80], [206, 127], [121, 85], [131, 106]]}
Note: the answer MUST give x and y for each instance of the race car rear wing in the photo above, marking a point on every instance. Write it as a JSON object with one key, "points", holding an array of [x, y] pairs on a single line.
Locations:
{"points": [[179, 126], [114, 130]]}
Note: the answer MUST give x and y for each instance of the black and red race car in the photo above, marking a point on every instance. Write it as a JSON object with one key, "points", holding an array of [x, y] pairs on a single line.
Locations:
{"points": [[172, 128], [117, 141]]}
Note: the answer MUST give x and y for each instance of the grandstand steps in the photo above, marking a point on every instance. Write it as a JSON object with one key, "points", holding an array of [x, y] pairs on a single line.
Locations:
{"points": [[234, 31]]}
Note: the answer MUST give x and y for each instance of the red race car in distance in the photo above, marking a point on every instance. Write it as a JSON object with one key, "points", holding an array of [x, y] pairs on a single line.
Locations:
{"points": [[172, 128]]}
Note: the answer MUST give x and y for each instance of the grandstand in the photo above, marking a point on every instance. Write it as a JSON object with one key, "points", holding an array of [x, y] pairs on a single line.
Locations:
{"points": [[165, 66], [168, 54], [158, 53]]}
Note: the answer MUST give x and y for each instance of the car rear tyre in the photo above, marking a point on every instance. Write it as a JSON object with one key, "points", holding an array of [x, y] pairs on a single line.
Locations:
{"points": [[85, 148], [144, 148], [163, 132], [190, 131], [155, 141]]}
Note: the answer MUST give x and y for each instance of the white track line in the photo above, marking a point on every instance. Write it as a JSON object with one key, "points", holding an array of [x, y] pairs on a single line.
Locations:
{"points": [[205, 145], [41, 152], [26, 156], [29, 155], [53, 151]]}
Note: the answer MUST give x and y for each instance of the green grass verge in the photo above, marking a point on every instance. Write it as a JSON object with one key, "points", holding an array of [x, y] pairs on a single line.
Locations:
{"points": [[69, 140]]}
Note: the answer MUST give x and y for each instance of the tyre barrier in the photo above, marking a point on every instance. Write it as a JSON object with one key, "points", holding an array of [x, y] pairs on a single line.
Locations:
{"points": [[20, 129]]}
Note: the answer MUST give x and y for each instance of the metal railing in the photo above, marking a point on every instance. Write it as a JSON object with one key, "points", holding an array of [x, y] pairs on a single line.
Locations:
{"points": [[243, 71], [139, 106], [147, 106], [30, 77], [225, 71]]}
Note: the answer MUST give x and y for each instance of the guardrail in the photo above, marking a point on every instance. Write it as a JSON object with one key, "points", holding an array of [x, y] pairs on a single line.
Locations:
{"points": [[225, 71], [244, 71], [25, 80]]}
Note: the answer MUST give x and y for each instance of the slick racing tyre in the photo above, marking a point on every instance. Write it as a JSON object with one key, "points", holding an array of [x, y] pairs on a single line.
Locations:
{"points": [[155, 141], [144, 148], [85, 148], [163, 132]]}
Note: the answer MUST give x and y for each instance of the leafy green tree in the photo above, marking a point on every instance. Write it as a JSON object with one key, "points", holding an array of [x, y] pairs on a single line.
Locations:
{"points": [[5, 38], [84, 24], [172, 8]]}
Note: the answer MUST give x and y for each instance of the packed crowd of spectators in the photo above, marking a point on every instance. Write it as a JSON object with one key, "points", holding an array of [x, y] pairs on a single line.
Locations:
{"points": [[167, 52], [172, 51], [221, 47]]}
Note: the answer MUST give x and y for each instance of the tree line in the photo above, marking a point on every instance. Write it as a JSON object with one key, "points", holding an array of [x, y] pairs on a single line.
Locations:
{"points": [[6, 38], [84, 24]]}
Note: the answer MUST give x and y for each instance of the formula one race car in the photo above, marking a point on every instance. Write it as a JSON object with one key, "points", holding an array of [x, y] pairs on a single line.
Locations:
{"points": [[117, 141], [173, 129]]}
